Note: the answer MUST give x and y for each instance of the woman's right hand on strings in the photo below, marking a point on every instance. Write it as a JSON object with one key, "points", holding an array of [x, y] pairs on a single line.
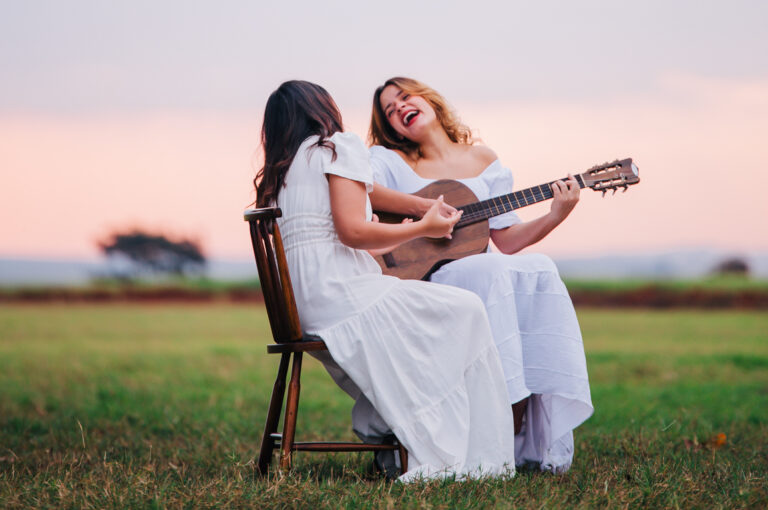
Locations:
{"points": [[439, 222]]}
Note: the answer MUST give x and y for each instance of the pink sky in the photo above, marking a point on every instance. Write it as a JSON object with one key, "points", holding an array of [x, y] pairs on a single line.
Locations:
{"points": [[700, 144]]}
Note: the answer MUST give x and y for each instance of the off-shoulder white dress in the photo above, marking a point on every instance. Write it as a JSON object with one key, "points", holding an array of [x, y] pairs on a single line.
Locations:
{"points": [[421, 353], [532, 318]]}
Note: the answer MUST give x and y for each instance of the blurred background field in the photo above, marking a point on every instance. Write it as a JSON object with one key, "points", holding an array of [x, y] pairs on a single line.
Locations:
{"points": [[157, 405], [713, 292]]}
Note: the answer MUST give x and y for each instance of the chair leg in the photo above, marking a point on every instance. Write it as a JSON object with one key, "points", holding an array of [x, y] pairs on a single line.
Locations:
{"points": [[518, 411], [291, 408], [273, 416], [403, 457]]}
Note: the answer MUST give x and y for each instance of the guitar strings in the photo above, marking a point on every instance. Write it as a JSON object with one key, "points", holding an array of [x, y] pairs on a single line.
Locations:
{"points": [[506, 203], [499, 205], [488, 208]]}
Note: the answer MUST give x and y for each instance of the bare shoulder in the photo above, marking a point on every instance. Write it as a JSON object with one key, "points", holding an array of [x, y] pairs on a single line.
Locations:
{"points": [[483, 154]]}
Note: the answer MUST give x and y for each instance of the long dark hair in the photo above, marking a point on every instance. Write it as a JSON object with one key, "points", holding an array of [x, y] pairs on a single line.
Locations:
{"points": [[295, 111]]}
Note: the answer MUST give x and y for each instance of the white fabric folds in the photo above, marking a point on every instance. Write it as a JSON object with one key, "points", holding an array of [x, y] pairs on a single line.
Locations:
{"points": [[533, 322]]}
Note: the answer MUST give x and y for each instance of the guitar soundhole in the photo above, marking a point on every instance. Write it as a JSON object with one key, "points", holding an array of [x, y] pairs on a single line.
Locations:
{"points": [[389, 260]]}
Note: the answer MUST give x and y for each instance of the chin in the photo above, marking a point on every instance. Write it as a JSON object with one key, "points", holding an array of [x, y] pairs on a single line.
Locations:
{"points": [[417, 131]]}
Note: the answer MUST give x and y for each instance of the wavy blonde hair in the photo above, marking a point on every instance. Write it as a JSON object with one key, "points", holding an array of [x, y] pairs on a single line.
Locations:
{"points": [[382, 133]]}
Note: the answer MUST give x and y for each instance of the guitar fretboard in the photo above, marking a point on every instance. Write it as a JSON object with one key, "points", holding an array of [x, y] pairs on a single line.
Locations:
{"points": [[479, 211]]}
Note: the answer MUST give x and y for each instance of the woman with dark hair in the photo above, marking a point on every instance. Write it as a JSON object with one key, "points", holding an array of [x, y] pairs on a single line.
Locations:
{"points": [[417, 139], [421, 353]]}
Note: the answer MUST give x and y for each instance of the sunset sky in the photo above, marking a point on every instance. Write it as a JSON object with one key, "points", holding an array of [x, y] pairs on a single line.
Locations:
{"points": [[147, 114]]}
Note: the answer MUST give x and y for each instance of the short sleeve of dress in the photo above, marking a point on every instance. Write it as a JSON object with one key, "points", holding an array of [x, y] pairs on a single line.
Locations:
{"points": [[352, 160], [381, 164], [501, 182]]}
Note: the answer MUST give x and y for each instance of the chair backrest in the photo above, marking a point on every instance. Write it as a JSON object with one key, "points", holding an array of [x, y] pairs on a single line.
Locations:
{"points": [[274, 278]]}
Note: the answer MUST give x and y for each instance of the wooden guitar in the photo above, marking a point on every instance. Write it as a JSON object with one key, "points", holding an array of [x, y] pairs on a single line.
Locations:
{"points": [[419, 258]]}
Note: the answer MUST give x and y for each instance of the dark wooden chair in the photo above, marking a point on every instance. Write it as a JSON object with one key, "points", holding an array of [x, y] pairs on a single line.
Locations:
{"points": [[290, 341]]}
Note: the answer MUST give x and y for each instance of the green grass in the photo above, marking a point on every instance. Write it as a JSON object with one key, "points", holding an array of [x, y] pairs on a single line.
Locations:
{"points": [[718, 283], [111, 287], [162, 406]]}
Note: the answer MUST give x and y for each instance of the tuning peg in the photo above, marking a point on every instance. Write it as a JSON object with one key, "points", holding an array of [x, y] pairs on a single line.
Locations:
{"points": [[626, 186], [604, 191], [614, 191]]}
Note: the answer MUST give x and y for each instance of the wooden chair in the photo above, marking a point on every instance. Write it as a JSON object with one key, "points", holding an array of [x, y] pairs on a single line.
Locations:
{"points": [[290, 341]]}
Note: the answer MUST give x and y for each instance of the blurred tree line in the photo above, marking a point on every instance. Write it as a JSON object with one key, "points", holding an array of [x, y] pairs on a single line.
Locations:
{"points": [[733, 266], [138, 253]]}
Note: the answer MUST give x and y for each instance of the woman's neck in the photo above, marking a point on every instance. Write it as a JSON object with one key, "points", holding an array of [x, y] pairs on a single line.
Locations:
{"points": [[435, 144]]}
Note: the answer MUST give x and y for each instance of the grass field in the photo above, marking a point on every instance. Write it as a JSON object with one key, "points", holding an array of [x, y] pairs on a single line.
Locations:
{"points": [[162, 406]]}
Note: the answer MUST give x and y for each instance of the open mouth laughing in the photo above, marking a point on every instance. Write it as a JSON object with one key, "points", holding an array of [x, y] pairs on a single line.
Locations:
{"points": [[409, 116]]}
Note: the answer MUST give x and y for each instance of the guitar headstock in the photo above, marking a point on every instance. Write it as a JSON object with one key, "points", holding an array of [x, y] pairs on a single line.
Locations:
{"points": [[617, 174]]}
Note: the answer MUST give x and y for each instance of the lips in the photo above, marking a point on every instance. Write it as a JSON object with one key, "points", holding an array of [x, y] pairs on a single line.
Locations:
{"points": [[409, 117]]}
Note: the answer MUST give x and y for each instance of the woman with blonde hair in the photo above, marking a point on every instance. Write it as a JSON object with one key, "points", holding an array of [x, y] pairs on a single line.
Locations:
{"points": [[416, 139]]}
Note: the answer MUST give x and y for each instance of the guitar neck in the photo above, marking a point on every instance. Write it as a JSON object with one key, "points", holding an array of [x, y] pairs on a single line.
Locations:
{"points": [[479, 211]]}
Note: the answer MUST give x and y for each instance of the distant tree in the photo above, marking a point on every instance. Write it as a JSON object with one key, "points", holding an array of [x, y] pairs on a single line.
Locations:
{"points": [[733, 266], [154, 253]]}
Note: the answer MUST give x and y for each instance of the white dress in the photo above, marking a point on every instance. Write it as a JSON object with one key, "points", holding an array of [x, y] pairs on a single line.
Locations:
{"points": [[421, 353], [533, 322]]}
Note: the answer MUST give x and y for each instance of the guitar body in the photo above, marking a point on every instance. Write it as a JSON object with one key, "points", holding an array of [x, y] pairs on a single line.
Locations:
{"points": [[419, 258]]}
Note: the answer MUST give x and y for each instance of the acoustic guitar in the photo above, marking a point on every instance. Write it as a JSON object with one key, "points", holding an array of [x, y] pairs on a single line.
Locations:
{"points": [[419, 258]]}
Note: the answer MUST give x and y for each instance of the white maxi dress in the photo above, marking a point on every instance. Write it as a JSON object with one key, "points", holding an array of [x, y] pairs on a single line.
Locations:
{"points": [[532, 319], [421, 354]]}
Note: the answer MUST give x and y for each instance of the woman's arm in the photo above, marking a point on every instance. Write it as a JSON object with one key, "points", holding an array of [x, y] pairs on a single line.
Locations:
{"points": [[389, 200], [381, 251], [393, 201], [348, 211], [516, 237]]}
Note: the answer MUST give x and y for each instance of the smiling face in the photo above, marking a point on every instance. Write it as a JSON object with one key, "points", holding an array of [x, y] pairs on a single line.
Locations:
{"points": [[409, 115], [405, 112]]}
